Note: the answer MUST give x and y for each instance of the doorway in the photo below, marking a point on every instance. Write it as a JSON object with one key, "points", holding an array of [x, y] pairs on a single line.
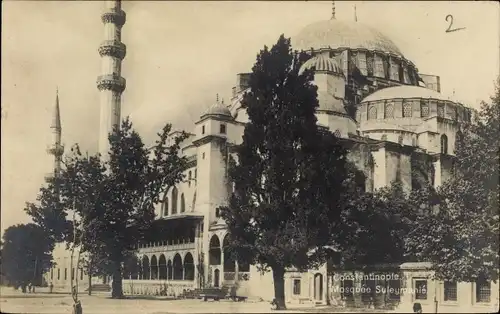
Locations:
{"points": [[318, 287], [216, 278]]}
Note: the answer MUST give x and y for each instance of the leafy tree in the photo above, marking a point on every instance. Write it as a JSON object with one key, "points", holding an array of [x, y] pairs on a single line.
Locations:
{"points": [[376, 226], [114, 198], [26, 254], [289, 173], [461, 240], [49, 213]]}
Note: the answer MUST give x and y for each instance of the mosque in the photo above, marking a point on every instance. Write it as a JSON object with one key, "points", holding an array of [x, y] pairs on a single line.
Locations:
{"points": [[396, 123]]}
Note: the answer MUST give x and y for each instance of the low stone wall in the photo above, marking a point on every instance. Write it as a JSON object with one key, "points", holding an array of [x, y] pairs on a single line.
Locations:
{"points": [[172, 288]]}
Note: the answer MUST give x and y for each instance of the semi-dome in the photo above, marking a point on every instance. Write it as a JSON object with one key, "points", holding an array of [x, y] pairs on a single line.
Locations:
{"points": [[405, 92], [321, 63], [336, 34]]}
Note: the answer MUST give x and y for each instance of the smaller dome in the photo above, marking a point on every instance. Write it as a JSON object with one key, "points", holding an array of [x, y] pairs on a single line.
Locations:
{"points": [[218, 109], [321, 63]]}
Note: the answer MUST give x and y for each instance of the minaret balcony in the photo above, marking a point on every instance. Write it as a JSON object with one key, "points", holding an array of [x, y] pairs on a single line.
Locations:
{"points": [[113, 48], [56, 150], [111, 82], [115, 16]]}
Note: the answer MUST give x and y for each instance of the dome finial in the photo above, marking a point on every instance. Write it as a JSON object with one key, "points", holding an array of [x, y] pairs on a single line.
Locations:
{"points": [[217, 98], [333, 10], [355, 14]]}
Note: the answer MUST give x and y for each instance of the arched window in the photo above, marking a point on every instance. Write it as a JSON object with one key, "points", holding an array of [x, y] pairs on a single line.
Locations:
{"points": [[444, 144], [214, 251], [188, 267], [162, 265], [372, 113], [174, 200], [389, 111], [146, 270], [165, 207], [177, 267], [407, 110], [189, 178], [183, 203], [154, 267]]}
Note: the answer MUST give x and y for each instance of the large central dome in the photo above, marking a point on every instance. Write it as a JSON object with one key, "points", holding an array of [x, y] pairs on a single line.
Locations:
{"points": [[336, 34]]}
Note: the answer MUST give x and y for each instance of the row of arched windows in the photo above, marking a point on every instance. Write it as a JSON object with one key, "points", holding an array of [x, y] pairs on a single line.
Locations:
{"points": [[169, 207], [160, 268], [407, 110]]}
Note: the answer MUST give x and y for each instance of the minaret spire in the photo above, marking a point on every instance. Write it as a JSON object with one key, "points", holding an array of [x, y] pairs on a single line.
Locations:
{"points": [[333, 10], [56, 149], [110, 83], [355, 14]]}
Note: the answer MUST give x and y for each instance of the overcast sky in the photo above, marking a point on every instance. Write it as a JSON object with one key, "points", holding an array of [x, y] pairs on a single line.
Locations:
{"points": [[180, 54]]}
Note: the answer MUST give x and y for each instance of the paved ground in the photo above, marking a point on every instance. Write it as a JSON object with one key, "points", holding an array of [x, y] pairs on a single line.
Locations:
{"points": [[40, 302], [61, 303]]}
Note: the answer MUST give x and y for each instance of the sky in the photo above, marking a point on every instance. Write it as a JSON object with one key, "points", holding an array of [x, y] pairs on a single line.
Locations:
{"points": [[181, 54]]}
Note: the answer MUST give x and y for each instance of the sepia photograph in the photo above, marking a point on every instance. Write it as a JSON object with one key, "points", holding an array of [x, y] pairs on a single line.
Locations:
{"points": [[250, 157]]}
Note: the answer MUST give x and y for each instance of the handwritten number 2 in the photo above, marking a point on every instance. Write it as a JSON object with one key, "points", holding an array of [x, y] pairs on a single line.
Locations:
{"points": [[450, 29]]}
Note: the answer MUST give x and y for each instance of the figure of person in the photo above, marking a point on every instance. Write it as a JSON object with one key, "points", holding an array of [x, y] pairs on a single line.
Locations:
{"points": [[29, 287], [51, 287]]}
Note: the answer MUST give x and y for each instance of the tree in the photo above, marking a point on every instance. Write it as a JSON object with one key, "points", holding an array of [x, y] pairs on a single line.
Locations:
{"points": [[289, 172], [49, 213], [26, 254], [114, 198], [376, 226], [461, 240]]}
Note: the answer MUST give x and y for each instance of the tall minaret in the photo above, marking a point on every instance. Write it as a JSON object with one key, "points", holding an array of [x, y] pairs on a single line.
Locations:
{"points": [[56, 149], [110, 83]]}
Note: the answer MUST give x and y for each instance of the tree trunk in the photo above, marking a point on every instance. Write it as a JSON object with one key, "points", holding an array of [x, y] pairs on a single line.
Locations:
{"points": [[90, 283], [116, 286], [279, 287]]}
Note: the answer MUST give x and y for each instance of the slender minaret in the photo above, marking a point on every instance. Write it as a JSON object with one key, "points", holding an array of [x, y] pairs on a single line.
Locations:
{"points": [[110, 83], [355, 14], [56, 149]]}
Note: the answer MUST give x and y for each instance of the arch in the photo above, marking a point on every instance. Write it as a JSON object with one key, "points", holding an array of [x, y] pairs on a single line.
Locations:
{"points": [[162, 265], [131, 267], [174, 200], [229, 261], [183, 203], [389, 111], [154, 267], [146, 274], [216, 278], [318, 286], [214, 251], [188, 267], [177, 267], [165, 207], [372, 113], [444, 144], [407, 110], [170, 270], [194, 202]]}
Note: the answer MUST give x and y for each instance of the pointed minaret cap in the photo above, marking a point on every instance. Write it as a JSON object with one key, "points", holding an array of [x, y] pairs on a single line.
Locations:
{"points": [[333, 10], [56, 118]]}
